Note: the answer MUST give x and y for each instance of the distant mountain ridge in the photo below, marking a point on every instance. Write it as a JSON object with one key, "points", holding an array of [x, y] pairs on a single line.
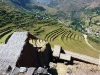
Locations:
{"points": [[20, 2], [74, 5], [60, 5], [46, 2], [30, 5]]}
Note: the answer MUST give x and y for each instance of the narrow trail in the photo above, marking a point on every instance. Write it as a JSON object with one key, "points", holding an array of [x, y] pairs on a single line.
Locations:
{"points": [[85, 37]]}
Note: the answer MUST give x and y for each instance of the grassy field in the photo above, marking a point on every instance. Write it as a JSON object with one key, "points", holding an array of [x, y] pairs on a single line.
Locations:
{"points": [[95, 45]]}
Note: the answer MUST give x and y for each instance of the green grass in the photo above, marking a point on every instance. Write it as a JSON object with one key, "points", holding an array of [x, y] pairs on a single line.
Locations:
{"points": [[95, 18], [8, 25], [66, 38], [2, 40], [72, 41], [95, 45], [57, 35]]}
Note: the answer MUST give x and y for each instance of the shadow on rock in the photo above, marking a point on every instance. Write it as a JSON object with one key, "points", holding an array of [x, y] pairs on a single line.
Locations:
{"points": [[53, 71]]}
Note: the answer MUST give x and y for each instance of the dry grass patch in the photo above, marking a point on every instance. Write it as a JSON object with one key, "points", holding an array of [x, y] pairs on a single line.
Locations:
{"points": [[61, 69], [78, 69]]}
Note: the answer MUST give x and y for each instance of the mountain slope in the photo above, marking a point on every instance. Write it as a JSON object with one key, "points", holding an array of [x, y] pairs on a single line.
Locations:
{"points": [[73, 5], [45, 2], [29, 6], [46, 29]]}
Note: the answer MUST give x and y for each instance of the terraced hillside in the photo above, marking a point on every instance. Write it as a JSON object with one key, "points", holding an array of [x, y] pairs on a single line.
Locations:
{"points": [[45, 29], [56, 35], [4, 36], [5, 32], [37, 43], [70, 40], [63, 36]]}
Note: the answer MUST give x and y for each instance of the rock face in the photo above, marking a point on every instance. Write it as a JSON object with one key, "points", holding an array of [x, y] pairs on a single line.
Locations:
{"points": [[35, 56], [45, 56], [28, 57]]}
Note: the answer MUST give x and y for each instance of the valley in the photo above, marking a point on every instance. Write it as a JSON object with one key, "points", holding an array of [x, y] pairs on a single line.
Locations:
{"points": [[56, 30], [43, 29]]}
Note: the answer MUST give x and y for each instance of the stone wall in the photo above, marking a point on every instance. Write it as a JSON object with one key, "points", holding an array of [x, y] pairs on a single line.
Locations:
{"points": [[45, 56], [34, 57]]}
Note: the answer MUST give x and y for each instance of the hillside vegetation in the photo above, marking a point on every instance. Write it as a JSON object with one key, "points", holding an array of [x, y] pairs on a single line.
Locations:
{"points": [[44, 28], [74, 5], [30, 7]]}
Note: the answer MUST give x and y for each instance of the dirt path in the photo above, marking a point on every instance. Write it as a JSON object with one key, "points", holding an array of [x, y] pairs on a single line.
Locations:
{"points": [[85, 37]]}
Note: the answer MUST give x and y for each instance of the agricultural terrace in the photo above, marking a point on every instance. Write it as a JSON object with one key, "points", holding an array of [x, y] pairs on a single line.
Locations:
{"points": [[45, 29]]}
